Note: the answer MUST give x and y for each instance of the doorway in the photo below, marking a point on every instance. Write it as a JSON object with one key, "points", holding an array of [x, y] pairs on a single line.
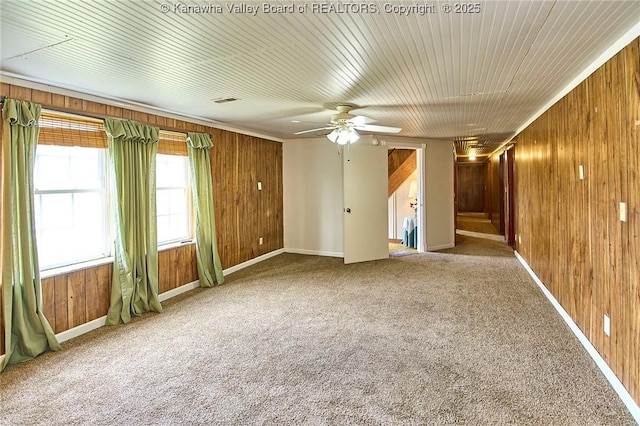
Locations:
{"points": [[404, 191], [485, 197], [509, 161], [474, 208]]}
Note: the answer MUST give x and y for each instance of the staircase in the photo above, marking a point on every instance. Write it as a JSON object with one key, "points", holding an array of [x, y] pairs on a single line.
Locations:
{"points": [[401, 163]]}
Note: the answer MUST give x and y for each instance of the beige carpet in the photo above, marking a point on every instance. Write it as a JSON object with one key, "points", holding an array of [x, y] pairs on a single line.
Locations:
{"points": [[475, 222], [398, 250], [457, 337]]}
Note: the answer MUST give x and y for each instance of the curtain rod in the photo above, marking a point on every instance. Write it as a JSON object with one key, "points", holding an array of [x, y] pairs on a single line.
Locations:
{"points": [[96, 117], [102, 117]]}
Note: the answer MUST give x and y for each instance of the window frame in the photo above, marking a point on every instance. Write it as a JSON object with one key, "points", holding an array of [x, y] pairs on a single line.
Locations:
{"points": [[70, 129], [189, 203], [103, 191]]}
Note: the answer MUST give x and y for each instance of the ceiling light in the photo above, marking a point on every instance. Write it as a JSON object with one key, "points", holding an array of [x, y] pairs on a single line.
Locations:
{"points": [[472, 157], [353, 136], [343, 135], [333, 136]]}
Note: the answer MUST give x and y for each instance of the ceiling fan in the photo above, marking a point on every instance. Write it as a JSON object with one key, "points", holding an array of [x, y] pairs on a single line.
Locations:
{"points": [[344, 126]]}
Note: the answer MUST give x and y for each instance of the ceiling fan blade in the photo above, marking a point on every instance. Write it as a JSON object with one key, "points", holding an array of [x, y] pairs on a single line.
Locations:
{"points": [[361, 120], [313, 130], [378, 129]]}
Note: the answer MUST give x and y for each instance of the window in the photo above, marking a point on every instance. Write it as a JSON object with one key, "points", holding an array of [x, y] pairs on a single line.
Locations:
{"points": [[173, 198], [70, 205], [72, 210]]}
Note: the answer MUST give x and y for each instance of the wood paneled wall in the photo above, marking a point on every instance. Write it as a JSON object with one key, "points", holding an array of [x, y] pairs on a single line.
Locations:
{"points": [[397, 157], [399, 172], [493, 191], [75, 298], [572, 235], [72, 299], [242, 213], [470, 186]]}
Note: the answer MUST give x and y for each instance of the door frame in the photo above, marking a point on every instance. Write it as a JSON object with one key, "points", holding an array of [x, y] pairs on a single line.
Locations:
{"points": [[509, 207], [421, 162]]}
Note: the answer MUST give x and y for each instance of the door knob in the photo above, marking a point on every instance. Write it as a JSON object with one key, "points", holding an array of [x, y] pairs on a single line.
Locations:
{"points": [[348, 210]]}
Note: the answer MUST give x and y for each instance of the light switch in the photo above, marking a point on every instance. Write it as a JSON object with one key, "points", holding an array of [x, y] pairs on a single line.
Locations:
{"points": [[623, 212], [259, 186], [581, 169]]}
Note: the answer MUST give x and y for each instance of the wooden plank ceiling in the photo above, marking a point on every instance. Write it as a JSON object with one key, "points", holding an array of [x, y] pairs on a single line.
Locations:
{"points": [[448, 76]]}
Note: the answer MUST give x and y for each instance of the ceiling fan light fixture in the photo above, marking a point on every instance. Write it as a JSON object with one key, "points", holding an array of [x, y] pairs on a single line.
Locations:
{"points": [[353, 136], [343, 137], [344, 126], [333, 136]]}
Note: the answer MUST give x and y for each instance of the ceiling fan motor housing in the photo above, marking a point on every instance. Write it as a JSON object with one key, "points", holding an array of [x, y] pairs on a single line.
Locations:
{"points": [[343, 115], [346, 122], [342, 119]]}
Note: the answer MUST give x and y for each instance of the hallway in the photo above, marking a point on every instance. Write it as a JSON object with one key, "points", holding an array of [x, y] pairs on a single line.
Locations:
{"points": [[476, 225]]}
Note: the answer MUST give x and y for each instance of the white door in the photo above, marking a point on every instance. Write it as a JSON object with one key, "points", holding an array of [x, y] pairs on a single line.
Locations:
{"points": [[365, 202]]}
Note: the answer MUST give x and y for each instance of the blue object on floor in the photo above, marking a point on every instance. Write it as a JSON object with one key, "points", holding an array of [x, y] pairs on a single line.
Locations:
{"points": [[409, 232]]}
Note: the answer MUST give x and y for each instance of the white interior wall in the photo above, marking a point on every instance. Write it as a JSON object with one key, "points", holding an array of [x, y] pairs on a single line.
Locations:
{"points": [[437, 189], [312, 197]]}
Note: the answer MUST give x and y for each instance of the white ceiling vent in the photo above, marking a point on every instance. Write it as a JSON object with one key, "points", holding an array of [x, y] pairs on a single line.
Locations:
{"points": [[224, 100]]}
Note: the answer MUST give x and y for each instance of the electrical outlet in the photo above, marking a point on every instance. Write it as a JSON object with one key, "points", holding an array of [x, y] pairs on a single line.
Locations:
{"points": [[260, 241], [607, 325]]}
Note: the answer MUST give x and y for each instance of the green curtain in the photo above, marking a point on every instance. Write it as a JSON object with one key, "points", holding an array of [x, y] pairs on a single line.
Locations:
{"points": [[132, 151], [27, 331], [208, 260]]}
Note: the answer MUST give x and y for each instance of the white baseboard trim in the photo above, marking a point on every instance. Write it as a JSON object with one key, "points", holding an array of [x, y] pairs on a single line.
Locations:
{"points": [[617, 385], [81, 329], [441, 247], [176, 291], [252, 261], [314, 252], [99, 322]]}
